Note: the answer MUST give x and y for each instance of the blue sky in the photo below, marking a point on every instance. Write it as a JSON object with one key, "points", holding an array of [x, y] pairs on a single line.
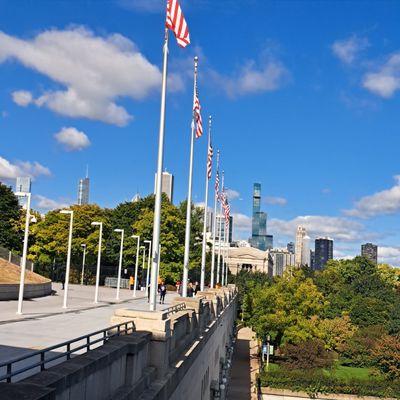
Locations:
{"points": [[303, 94]]}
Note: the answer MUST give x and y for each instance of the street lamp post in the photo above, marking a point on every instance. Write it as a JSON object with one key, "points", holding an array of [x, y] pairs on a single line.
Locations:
{"points": [[25, 250], [143, 262], [71, 214], [137, 263], [120, 260], [148, 266], [96, 293], [83, 262]]}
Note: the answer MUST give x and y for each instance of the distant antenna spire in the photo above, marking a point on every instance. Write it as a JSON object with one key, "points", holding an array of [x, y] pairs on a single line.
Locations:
{"points": [[87, 170]]}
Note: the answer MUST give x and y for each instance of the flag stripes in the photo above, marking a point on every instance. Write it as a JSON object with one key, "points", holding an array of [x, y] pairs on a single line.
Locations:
{"points": [[176, 22], [199, 121], [209, 159], [217, 186]]}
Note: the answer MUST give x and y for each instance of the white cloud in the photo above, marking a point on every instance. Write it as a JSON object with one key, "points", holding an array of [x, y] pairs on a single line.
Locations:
{"points": [[72, 139], [232, 194], [241, 226], [21, 168], [389, 255], [44, 203], [94, 72], [280, 201], [251, 78], [22, 97], [347, 50], [381, 203], [337, 228], [386, 80]]}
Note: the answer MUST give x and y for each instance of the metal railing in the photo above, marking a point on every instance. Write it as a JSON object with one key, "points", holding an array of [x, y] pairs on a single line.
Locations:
{"points": [[41, 358], [14, 258], [174, 309], [113, 282]]}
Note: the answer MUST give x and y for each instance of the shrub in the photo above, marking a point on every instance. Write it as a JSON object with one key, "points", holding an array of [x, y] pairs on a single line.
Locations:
{"points": [[314, 382], [310, 354], [386, 356]]}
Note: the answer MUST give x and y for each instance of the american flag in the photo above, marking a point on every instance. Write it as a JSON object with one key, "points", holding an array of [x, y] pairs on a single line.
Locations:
{"points": [[176, 22], [217, 186], [223, 198], [199, 122], [209, 159]]}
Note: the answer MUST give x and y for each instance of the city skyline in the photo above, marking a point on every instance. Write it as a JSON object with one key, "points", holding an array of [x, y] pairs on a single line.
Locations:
{"points": [[318, 85]]}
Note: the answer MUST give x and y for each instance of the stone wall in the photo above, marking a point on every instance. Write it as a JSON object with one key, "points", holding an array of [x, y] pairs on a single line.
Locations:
{"points": [[10, 291], [180, 353]]}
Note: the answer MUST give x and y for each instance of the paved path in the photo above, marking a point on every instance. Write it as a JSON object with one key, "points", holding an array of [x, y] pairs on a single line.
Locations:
{"points": [[244, 367], [45, 323]]}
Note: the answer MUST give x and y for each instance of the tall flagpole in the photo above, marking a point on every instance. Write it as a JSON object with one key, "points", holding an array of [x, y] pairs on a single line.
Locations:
{"points": [[220, 233], [157, 204], [227, 251], [203, 254], [189, 197], [214, 228], [223, 258]]}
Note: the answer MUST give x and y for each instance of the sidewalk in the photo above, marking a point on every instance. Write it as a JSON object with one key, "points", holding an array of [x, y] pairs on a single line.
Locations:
{"points": [[244, 367], [79, 298]]}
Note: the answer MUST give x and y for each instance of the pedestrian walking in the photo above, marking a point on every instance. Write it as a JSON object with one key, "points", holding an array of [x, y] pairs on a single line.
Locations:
{"points": [[163, 292], [131, 282]]}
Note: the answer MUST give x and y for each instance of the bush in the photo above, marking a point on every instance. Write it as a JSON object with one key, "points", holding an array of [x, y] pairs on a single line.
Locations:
{"points": [[386, 356], [314, 382], [310, 354]]}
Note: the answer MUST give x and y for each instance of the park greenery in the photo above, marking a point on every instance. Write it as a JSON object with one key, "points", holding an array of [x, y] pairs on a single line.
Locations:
{"points": [[48, 238], [346, 316]]}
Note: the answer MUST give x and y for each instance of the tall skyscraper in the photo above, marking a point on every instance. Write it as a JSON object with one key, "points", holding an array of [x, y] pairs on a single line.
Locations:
{"points": [[323, 252], [167, 184], [83, 191], [290, 247], [259, 237], [300, 234], [305, 255], [23, 184], [370, 251]]}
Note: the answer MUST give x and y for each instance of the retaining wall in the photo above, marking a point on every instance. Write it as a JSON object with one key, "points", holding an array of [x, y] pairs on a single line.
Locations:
{"points": [[10, 291]]}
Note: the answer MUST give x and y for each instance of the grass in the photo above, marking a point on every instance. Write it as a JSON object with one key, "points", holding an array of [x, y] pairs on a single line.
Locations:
{"points": [[347, 373], [10, 273], [339, 372]]}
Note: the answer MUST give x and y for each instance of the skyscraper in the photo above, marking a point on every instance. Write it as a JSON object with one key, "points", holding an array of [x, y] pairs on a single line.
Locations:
{"points": [[370, 251], [83, 191], [220, 224], [290, 247], [282, 259], [300, 234], [167, 184], [259, 237], [323, 252]]}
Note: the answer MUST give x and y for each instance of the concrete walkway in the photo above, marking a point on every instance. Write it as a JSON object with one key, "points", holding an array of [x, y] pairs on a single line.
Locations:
{"points": [[244, 367], [45, 323]]}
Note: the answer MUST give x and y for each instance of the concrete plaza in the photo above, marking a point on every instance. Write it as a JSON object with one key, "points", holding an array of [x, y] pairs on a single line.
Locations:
{"points": [[45, 323]]}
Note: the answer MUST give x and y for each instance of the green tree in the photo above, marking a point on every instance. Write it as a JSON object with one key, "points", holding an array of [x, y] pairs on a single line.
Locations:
{"points": [[386, 356], [9, 213]]}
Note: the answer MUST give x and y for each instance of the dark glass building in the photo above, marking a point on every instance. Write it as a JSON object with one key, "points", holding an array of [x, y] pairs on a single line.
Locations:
{"points": [[259, 238], [323, 252], [370, 251]]}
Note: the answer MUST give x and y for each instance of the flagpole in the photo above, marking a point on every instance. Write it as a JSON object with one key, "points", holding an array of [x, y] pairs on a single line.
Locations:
{"points": [[214, 229], [220, 233], [223, 258], [227, 252], [189, 198], [157, 203], [203, 254]]}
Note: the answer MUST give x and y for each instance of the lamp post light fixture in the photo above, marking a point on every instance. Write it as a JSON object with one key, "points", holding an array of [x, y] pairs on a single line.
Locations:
{"points": [[25, 250], [137, 263], [83, 262], [148, 266], [96, 293], [71, 214], [120, 260]]}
